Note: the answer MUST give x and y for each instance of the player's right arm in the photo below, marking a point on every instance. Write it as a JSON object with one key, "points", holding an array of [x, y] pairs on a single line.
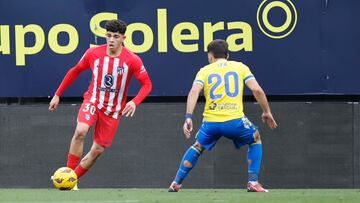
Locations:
{"points": [[190, 106], [260, 97], [69, 78]]}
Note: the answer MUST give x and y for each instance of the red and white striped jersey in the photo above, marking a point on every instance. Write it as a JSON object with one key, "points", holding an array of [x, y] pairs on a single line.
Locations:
{"points": [[110, 79]]}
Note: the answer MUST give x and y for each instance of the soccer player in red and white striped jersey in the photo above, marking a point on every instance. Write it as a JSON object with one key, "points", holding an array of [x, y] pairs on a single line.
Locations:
{"points": [[112, 66]]}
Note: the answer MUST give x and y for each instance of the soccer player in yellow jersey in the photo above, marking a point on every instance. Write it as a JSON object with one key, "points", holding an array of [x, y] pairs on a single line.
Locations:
{"points": [[223, 84]]}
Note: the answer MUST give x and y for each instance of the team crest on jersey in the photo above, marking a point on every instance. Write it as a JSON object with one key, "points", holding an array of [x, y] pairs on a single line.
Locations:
{"points": [[120, 70], [87, 116]]}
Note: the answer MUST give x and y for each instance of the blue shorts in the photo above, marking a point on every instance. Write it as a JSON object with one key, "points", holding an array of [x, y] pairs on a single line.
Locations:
{"points": [[241, 131]]}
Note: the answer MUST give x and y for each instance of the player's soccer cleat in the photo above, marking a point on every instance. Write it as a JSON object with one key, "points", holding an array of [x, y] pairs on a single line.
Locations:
{"points": [[255, 187], [174, 187], [75, 188]]}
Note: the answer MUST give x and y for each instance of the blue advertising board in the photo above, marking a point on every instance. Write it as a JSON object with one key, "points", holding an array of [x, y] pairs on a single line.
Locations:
{"points": [[293, 47]]}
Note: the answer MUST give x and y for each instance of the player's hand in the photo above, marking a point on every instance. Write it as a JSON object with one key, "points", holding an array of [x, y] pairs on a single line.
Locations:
{"points": [[54, 103], [129, 109], [188, 127], [269, 120]]}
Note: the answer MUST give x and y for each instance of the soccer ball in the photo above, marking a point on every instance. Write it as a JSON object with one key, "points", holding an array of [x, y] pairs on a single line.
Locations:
{"points": [[64, 178]]}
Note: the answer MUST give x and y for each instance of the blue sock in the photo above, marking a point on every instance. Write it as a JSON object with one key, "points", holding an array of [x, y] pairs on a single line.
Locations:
{"points": [[187, 163], [254, 160]]}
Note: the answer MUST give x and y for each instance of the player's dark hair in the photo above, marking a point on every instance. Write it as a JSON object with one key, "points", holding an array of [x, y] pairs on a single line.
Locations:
{"points": [[116, 26], [218, 48]]}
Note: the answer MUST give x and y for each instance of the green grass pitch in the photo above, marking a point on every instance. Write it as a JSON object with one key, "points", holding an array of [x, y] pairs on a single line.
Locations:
{"points": [[185, 195]]}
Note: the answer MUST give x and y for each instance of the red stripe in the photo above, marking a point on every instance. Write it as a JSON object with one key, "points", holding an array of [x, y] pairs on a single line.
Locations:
{"points": [[118, 85], [99, 70], [107, 93]]}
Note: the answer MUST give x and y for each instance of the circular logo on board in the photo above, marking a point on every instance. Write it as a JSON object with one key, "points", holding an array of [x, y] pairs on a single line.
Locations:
{"points": [[265, 11]]}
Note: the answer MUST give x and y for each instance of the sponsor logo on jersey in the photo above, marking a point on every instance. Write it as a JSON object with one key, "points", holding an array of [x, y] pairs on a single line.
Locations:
{"points": [[107, 89], [212, 105], [226, 106], [109, 80]]}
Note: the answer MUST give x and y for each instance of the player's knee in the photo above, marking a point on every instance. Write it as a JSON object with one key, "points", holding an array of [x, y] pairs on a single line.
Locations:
{"points": [[187, 164], [199, 147], [257, 137], [80, 133], [97, 151]]}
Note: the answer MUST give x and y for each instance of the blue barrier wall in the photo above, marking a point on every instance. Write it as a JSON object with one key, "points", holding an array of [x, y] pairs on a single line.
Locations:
{"points": [[294, 47]]}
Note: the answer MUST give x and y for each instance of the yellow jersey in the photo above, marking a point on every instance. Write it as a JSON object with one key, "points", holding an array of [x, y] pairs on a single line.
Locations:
{"points": [[223, 83]]}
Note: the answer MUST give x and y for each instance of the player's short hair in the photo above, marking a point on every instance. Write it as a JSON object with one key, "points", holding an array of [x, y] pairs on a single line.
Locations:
{"points": [[218, 48], [116, 26]]}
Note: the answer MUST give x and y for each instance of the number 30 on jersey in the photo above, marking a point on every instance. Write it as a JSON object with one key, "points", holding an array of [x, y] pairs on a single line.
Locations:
{"points": [[89, 107]]}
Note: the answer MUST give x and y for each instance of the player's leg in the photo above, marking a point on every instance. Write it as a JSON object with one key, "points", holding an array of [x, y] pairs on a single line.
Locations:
{"points": [[87, 116], [254, 164], [254, 158], [205, 140], [188, 162], [89, 159], [243, 132], [77, 145], [105, 130]]}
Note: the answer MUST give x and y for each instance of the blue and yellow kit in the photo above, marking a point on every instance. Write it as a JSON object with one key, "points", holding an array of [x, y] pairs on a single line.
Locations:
{"points": [[223, 83]]}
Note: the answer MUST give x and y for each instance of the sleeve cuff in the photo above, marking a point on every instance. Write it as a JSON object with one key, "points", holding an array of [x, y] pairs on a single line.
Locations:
{"points": [[248, 78], [199, 82]]}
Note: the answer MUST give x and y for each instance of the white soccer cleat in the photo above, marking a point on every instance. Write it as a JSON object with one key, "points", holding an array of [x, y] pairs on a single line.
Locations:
{"points": [[174, 187], [255, 187], [75, 188]]}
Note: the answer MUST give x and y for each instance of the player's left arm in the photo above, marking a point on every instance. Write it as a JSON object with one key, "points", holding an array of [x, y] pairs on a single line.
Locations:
{"points": [[146, 85], [260, 97]]}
